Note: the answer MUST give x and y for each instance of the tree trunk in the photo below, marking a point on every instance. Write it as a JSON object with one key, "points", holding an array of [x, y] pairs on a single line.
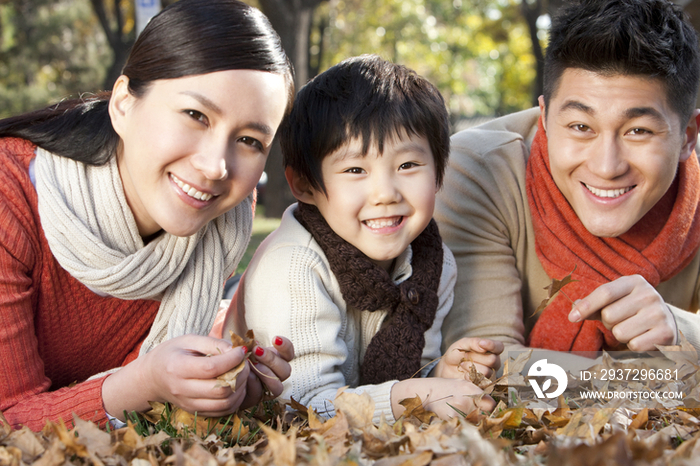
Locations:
{"points": [[292, 21], [119, 41]]}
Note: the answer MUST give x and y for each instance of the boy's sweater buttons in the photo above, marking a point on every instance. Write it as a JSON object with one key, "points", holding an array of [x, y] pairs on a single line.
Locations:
{"points": [[413, 296]]}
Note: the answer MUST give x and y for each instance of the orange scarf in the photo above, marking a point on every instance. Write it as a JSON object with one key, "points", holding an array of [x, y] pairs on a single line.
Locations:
{"points": [[657, 247]]}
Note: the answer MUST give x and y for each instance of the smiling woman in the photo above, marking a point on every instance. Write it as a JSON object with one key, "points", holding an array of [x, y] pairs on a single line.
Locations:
{"points": [[124, 213]]}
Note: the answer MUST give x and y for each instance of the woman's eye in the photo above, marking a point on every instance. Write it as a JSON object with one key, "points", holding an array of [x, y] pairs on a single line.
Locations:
{"points": [[199, 116], [251, 142]]}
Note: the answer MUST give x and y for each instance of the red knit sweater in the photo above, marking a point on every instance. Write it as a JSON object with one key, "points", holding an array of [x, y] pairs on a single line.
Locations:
{"points": [[54, 332]]}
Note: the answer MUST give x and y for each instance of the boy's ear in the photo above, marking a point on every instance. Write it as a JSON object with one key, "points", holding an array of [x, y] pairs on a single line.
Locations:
{"points": [[301, 189]]}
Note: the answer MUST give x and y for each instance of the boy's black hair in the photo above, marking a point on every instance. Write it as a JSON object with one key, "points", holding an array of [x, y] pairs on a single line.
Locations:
{"points": [[647, 38], [363, 97]]}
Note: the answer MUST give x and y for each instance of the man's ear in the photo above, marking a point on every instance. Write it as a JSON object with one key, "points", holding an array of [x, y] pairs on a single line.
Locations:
{"points": [[691, 135], [543, 112], [301, 189], [119, 102]]}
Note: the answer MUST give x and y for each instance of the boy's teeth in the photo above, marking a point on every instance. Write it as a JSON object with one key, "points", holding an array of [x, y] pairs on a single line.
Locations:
{"points": [[607, 192], [383, 223], [190, 191]]}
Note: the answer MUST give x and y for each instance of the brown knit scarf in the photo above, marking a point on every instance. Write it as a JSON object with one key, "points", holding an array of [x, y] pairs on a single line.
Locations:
{"points": [[395, 351], [657, 247]]}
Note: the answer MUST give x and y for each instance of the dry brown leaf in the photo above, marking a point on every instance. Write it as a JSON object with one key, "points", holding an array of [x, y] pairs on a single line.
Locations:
{"points": [[639, 421], [417, 459], [282, 447], [27, 442], [358, 408], [491, 428], [229, 378], [414, 409], [552, 289]]}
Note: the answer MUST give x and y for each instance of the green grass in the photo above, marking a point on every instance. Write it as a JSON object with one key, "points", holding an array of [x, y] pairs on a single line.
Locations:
{"points": [[262, 226]]}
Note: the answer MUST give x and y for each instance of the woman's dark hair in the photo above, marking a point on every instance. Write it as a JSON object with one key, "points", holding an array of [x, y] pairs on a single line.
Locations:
{"points": [[189, 37], [649, 38], [363, 97]]}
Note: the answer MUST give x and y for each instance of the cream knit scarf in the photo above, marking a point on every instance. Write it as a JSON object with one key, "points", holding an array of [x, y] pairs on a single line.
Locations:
{"points": [[93, 235]]}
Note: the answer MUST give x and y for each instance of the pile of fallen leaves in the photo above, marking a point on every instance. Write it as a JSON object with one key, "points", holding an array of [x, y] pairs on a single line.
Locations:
{"points": [[522, 430]]}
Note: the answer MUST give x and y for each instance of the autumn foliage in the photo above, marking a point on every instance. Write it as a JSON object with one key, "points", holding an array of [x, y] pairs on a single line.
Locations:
{"points": [[521, 430]]}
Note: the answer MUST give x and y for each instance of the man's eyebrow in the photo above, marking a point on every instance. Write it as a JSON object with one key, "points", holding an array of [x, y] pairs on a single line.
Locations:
{"points": [[636, 112], [576, 105]]}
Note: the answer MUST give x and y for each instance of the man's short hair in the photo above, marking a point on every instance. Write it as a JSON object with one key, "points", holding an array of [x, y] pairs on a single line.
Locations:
{"points": [[368, 98], [646, 38]]}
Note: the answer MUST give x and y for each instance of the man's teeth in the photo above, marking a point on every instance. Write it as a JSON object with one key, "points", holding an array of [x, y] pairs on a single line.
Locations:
{"points": [[608, 192], [190, 191], [383, 223]]}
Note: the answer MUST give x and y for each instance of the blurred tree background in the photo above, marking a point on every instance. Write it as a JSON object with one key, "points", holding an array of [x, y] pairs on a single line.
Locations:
{"points": [[485, 56]]}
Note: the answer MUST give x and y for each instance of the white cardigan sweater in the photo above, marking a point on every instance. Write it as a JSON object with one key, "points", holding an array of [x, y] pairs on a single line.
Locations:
{"points": [[289, 290]]}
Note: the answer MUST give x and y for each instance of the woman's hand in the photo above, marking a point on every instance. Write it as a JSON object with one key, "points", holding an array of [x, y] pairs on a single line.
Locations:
{"points": [[441, 396], [459, 357], [182, 371], [632, 310], [270, 370]]}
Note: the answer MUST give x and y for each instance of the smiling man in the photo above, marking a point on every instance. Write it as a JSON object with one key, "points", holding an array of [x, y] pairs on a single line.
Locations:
{"points": [[600, 182]]}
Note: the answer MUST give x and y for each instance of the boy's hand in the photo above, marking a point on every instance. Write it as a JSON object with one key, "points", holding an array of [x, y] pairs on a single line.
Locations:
{"points": [[441, 396], [459, 357]]}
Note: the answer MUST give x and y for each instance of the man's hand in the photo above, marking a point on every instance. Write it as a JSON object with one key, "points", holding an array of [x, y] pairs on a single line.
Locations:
{"points": [[632, 310]]}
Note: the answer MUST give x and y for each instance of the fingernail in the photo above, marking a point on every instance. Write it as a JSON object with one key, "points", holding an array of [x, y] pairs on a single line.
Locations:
{"points": [[259, 351], [278, 341], [574, 316], [245, 350]]}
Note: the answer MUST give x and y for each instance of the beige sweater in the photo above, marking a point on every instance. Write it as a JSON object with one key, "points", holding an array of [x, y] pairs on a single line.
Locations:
{"points": [[485, 220], [289, 290]]}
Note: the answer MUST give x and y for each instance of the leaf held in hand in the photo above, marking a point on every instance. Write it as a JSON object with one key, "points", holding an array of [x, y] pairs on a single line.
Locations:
{"points": [[554, 288], [228, 379]]}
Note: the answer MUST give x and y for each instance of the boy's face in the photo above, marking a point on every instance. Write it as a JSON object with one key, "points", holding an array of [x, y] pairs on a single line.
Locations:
{"points": [[614, 146], [379, 203]]}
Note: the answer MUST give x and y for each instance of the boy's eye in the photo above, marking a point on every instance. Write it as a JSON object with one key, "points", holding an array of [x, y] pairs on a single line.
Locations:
{"points": [[252, 142], [407, 165], [354, 170], [198, 116]]}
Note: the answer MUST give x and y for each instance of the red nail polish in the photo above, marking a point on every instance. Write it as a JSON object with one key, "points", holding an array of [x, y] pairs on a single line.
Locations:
{"points": [[278, 341], [259, 351]]}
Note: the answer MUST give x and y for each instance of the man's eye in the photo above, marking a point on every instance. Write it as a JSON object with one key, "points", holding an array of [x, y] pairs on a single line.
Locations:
{"points": [[579, 127], [639, 131]]}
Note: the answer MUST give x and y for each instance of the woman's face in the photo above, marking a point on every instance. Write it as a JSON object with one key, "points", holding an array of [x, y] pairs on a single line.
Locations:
{"points": [[193, 148]]}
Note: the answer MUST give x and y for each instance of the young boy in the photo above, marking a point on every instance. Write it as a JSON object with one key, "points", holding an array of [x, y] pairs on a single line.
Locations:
{"points": [[357, 275]]}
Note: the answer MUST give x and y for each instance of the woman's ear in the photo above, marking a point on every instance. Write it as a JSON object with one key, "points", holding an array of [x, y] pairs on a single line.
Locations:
{"points": [[119, 103], [301, 189]]}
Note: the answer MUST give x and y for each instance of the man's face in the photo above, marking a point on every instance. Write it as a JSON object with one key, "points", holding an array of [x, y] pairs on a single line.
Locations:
{"points": [[614, 146]]}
